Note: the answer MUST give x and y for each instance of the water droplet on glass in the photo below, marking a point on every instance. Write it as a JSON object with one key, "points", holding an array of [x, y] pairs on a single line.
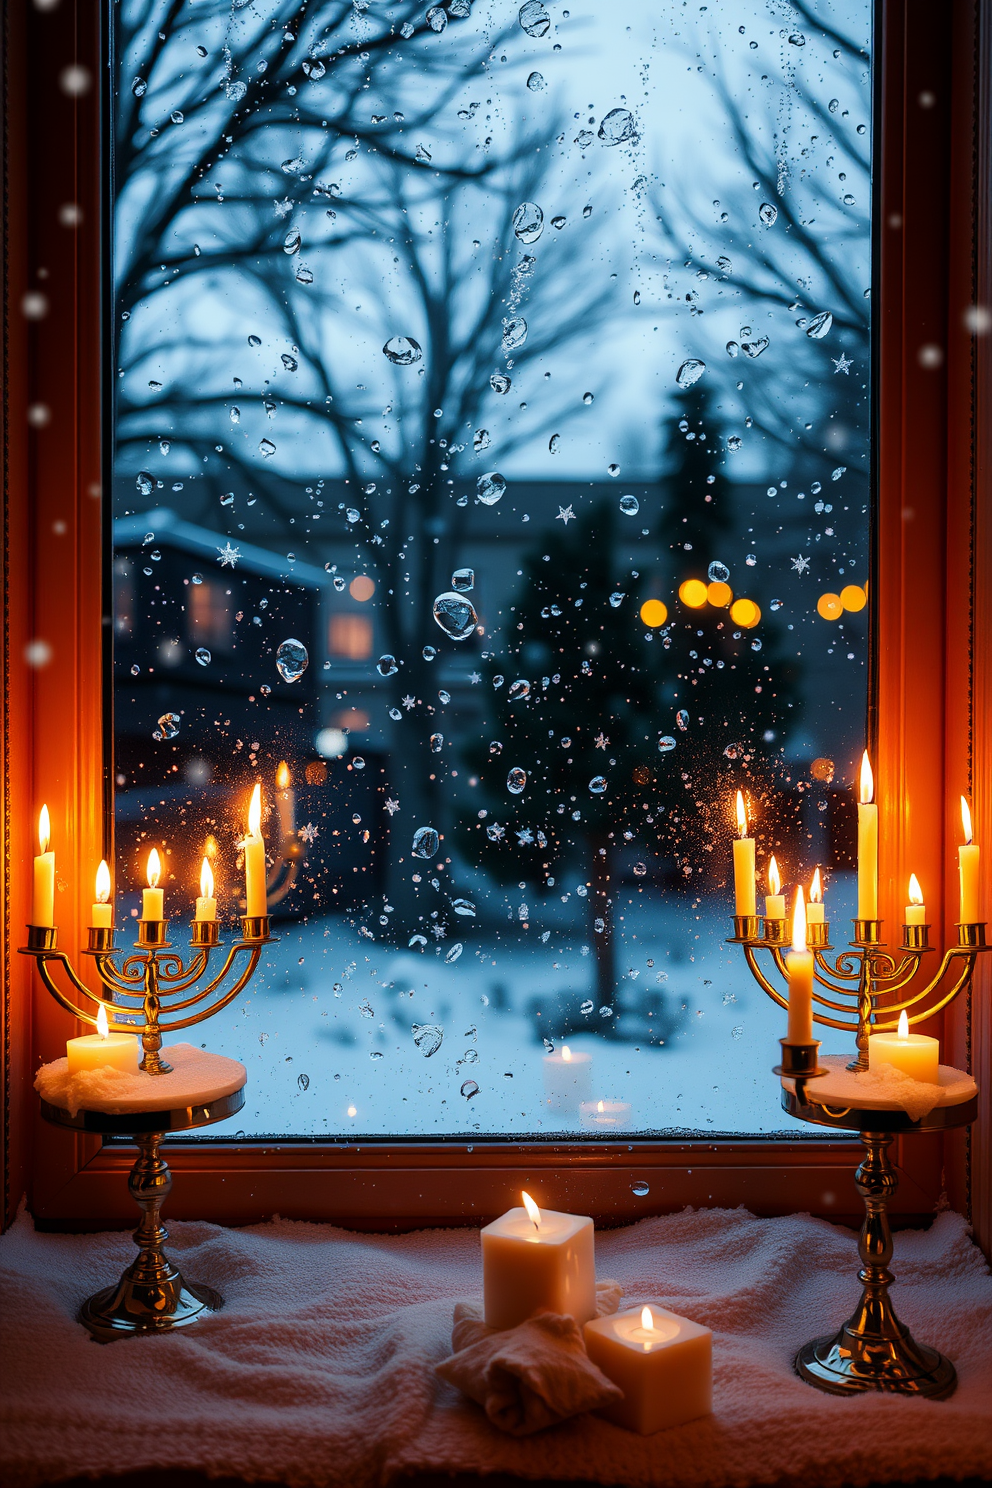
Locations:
{"points": [[437, 740], [469, 1087], [490, 487], [613, 470], [734, 442], [266, 448], [395, 714], [516, 781], [588, 398], [535, 82], [754, 348], [437, 18], [407, 29], [724, 264], [640, 1188], [514, 333], [630, 506], [254, 340], [135, 669], [294, 166], [528, 225], [616, 599], [554, 443], [463, 579], [500, 383], [139, 87], [597, 784], [463, 907], [357, 763], [292, 660], [425, 842], [481, 440], [352, 515], [682, 719], [289, 362], [495, 747], [303, 1081], [168, 726], [519, 690], [387, 666], [234, 92], [558, 222], [428, 653], [768, 213], [455, 615], [665, 743], [718, 573], [454, 953], [797, 39], [820, 325], [534, 19], [689, 372], [291, 242], [617, 127], [403, 351], [145, 482], [444, 697], [428, 1038], [203, 656]]}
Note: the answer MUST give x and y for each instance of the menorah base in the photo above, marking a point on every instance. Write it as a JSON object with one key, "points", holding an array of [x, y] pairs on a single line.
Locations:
{"points": [[138, 1305], [886, 1358]]}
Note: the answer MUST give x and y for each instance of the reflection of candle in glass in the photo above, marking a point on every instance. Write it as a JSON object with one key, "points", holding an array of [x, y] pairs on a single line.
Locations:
{"points": [[206, 904], [916, 910], [744, 895], [800, 964], [285, 800], [255, 858], [567, 1079], [43, 901], [102, 914], [867, 845], [95, 1051], [152, 898], [968, 869], [814, 909], [774, 899], [603, 1115]]}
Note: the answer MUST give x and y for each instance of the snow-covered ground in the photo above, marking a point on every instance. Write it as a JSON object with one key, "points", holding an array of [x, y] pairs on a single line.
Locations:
{"points": [[326, 1030]]}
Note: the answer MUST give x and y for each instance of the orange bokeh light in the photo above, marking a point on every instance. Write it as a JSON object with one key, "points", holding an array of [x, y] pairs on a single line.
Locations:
{"points": [[745, 612], [653, 612], [362, 588], [853, 597], [830, 606], [693, 593], [719, 594]]}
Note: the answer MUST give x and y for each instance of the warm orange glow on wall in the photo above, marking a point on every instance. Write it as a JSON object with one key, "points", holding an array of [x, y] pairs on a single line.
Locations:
{"points": [[719, 594], [745, 612], [830, 606], [853, 597], [693, 593], [653, 612]]}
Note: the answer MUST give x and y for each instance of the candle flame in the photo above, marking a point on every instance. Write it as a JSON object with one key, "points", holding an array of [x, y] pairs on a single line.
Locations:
{"points": [[102, 883], [45, 829], [867, 780], [774, 878], [283, 778], [741, 815], [566, 1053], [206, 881], [799, 923], [915, 892], [600, 1107], [102, 1026], [816, 888], [255, 813], [965, 820], [533, 1213], [903, 1025], [647, 1319], [154, 868], [210, 847]]}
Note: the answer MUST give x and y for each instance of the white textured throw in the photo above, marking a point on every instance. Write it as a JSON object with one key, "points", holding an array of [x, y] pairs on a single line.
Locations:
{"points": [[197, 1077], [320, 1369]]}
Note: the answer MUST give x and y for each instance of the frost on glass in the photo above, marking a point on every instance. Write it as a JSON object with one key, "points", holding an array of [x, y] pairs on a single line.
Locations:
{"points": [[492, 485]]}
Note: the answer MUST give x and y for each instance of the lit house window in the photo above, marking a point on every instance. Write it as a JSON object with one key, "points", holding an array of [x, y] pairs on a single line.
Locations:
{"points": [[350, 636], [211, 622]]}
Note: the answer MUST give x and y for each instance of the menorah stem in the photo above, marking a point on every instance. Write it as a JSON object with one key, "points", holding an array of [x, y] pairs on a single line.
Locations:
{"points": [[151, 1037], [151, 1296], [865, 1001]]}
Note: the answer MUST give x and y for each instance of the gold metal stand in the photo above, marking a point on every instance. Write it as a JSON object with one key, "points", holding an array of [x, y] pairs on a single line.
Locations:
{"points": [[151, 1296], [874, 1350]]}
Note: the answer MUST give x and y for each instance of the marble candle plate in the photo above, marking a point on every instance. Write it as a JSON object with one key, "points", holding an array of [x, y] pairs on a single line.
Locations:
{"points": [[885, 1088], [197, 1079]]}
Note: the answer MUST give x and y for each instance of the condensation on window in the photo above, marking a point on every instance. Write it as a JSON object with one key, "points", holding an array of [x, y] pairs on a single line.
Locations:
{"points": [[492, 485]]}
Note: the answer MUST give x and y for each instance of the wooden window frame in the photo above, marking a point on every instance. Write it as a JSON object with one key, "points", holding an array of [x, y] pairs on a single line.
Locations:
{"points": [[931, 649]]}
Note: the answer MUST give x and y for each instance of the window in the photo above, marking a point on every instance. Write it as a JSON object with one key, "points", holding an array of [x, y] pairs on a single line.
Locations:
{"points": [[552, 353]]}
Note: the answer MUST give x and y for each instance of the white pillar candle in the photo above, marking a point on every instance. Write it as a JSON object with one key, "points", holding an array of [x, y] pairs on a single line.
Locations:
{"points": [[663, 1363], [567, 1079], [916, 910], [968, 863], [867, 845], [744, 892], [774, 899], [206, 904], [537, 1260], [95, 1051], [102, 912], [814, 909], [43, 898], [153, 898], [914, 1053], [256, 904], [800, 966]]}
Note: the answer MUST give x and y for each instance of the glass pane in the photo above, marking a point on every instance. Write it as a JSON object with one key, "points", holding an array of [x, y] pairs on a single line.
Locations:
{"points": [[492, 487]]}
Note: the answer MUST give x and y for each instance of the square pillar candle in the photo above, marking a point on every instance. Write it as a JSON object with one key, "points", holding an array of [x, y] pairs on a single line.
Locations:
{"points": [[538, 1260], [663, 1363]]}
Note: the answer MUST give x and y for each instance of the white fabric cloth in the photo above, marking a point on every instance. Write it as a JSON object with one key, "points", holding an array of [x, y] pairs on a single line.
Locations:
{"points": [[197, 1077], [886, 1088], [320, 1369]]}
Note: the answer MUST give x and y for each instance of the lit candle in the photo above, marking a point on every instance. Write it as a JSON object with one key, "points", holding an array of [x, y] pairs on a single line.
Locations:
{"points": [[43, 901], [95, 1051], [102, 913], [916, 910], [967, 868], [534, 1261], [867, 845], [285, 801], [814, 909], [913, 1053], [744, 892], [206, 904], [800, 966], [774, 899], [567, 1079], [255, 858], [152, 898], [663, 1363]]}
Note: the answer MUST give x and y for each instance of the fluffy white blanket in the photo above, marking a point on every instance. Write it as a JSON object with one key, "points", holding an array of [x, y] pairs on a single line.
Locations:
{"points": [[320, 1369]]}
